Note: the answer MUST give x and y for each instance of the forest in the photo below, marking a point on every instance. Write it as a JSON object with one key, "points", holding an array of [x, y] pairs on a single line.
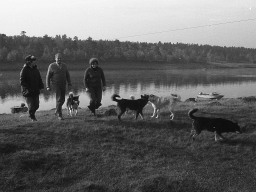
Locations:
{"points": [[13, 49]]}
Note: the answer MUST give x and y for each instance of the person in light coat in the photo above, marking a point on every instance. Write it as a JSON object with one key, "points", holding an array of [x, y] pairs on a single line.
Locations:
{"points": [[56, 79]]}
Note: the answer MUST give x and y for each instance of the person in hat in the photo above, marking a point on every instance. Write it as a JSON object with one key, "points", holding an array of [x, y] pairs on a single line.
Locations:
{"points": [[56, 79], [95, 83], [31, 84]]}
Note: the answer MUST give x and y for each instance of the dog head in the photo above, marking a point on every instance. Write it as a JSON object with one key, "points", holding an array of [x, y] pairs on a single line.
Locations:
{"points": [[145, 97], [152, 98], [176, 97], [74, 99], [71, 94]]}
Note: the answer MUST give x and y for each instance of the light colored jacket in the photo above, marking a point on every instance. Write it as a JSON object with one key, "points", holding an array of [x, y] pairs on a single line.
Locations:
{"points": [[57, 75]]}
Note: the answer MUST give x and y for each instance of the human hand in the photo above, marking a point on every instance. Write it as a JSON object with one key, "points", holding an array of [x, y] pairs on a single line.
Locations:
{"points": [[48, 89], [86, 89]]}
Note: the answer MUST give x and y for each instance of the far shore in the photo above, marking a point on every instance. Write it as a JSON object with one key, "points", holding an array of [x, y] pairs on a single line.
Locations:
{"points": [[113, 64]]}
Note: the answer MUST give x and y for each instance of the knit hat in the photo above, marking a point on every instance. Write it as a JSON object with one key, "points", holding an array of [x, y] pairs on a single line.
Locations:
{"points": [[30, 58], [93, 60]]}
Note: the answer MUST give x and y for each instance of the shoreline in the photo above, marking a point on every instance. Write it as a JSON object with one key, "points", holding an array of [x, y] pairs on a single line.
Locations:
{"points": [[189, 100]]}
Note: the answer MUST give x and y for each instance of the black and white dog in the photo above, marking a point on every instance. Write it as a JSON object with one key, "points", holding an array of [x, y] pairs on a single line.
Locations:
{"points": [[72, 104], [131, 104]]}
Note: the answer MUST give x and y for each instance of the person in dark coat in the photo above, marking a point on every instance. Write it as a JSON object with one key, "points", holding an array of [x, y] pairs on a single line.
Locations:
{"points": [[95, 83], [56, 78], [31, 84]]}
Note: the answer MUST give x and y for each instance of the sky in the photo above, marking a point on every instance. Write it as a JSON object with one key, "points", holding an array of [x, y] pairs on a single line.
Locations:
{"points": [[230, 23]]}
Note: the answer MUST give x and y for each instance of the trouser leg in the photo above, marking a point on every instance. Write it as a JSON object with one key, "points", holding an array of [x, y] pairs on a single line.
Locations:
{"points": [[98, 92], [92, 97], [60, 99], [95, 96], [33, 105]]}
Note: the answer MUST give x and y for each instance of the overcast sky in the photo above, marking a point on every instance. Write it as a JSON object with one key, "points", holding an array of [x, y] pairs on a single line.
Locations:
{"points": [[135, 20]]}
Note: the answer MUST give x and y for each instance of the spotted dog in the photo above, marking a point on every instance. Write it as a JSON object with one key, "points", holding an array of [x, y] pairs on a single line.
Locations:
{"points": [[72, 104]]}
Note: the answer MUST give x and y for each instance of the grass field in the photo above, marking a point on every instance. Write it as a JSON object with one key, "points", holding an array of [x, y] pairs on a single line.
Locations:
{"points": [[101, 154]]}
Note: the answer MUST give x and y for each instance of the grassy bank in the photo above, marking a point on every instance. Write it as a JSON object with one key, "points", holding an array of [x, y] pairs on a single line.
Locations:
{"points": [[87, 153]]}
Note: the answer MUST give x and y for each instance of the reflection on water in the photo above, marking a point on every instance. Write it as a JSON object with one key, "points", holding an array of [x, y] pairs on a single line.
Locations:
{"points": [[136, 81]]}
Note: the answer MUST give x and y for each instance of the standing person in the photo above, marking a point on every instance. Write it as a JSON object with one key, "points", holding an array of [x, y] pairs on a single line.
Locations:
{"points": [[56, 78], [94, 82], [31, 84]]}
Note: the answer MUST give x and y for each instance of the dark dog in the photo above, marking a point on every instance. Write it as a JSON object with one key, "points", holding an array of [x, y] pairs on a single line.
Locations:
{"points": [[72, 104], [136, 105], [216, 125]]}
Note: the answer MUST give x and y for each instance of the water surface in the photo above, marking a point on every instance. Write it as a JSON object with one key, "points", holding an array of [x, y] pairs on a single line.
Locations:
{"points": [[134, 79]]}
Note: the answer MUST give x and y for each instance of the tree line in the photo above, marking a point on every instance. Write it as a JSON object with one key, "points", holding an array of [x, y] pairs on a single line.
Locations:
{"points": [[15, 48]]}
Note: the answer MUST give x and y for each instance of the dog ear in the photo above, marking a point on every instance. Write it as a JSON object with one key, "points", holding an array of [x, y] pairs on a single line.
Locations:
{"points": [[235, 121]]}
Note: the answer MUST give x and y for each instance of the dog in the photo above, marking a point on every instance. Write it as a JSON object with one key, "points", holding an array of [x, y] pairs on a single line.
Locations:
{"points": [[161, 102], [216, 125], [72, 104], [132, 97], [135, 105]]}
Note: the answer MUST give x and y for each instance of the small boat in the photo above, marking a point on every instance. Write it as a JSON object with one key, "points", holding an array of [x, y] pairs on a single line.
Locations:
{"points": [[17, 109], [213, 95]]}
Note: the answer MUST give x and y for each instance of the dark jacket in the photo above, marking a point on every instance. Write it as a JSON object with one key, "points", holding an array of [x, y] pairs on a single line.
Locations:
{"points": [[94, 78], [30, 81]]}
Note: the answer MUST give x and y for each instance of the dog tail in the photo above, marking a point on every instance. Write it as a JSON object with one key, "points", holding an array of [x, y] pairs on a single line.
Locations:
{"points": [[191, 112], [114, 96]]}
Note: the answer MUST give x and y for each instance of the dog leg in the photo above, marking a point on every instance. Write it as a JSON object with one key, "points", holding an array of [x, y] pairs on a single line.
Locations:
{"points": [[193, 135], [141, 115], [157, 113], [154, 113], [218, 136], [221, 137], [194, 132], [69, 112], [172, 116], [215, 136], [137, 114]]}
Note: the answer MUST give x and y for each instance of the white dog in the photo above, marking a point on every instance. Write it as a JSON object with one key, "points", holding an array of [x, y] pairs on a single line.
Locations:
{"points": [[161, 102], [72, 104]]}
